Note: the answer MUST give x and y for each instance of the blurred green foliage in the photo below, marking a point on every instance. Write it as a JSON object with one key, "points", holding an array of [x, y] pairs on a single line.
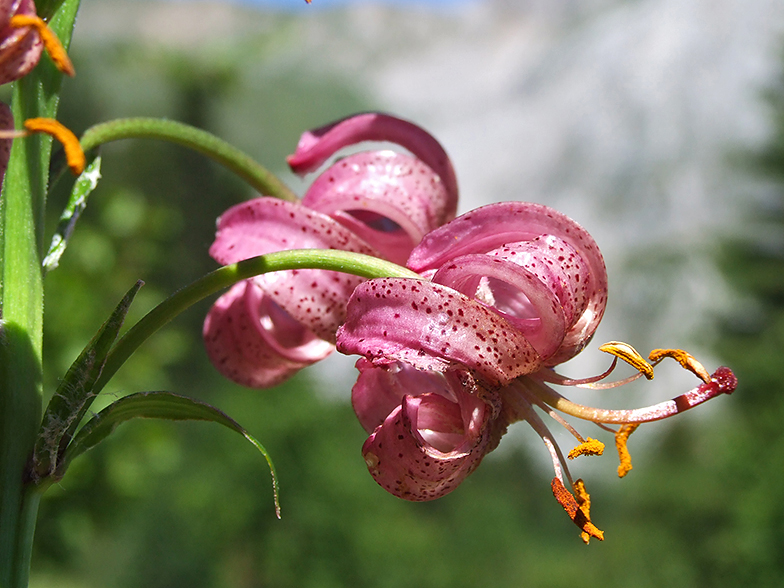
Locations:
{"points": [[164, 504]]}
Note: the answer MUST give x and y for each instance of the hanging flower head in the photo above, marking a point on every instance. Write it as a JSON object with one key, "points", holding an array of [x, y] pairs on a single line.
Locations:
{"points": [[512, 290], [379, 203]]}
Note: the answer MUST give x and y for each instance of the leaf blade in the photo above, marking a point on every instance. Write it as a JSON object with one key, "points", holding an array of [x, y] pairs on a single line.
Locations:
{"points": [[74, 396], [156, 405]]}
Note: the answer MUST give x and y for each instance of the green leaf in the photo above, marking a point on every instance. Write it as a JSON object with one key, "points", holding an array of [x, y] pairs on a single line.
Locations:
{"points": [[75, 394], [155, 405], [77, 202]]}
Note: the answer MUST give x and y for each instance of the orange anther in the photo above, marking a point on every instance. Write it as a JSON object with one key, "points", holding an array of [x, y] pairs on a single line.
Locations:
{"points": [[621, 439], [73, 150], [51, 43], [630, 355], [587, 447], [684, 358], [577, 511]]}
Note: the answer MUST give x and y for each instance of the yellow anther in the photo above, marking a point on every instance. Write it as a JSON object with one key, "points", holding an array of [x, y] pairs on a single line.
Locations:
{"points": [[51, 43], [579, 512], [587, 447], [684, 358], [630, 355], [621, 439], [73, 150]]}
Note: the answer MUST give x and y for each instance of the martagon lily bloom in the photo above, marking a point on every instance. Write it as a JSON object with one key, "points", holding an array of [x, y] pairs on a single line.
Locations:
{"points": [[380, 203], [509, 291]]}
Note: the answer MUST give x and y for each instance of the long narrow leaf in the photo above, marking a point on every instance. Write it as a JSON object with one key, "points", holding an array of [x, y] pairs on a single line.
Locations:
{"points": [[77, 202], [74, 395], [155, 405]]}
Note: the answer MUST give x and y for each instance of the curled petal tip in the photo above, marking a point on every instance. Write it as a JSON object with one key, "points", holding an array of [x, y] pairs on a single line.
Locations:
{"points": [[317, 145], [253, 342], [429, 444]]}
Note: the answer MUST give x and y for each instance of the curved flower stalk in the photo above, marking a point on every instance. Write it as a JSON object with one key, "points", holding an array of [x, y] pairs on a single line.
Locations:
{"points": [[23, 37], [377, 203], [265, 329], [514, 289]]}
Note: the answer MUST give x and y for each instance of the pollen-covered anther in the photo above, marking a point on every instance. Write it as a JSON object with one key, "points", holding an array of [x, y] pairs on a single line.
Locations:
{"points": [[621, 439], [588, 447], [630, 355], [684, 358], [74, 154], [579, 512], [51, 43], [584, 500]]}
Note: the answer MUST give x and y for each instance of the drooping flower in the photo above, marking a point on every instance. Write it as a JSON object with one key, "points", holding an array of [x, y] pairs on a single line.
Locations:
{"points": [[379, 203], [511, 291], [23, 37]]}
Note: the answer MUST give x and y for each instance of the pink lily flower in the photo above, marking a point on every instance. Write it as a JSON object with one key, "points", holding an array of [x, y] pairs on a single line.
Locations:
{"points": [[380, 203], [514, 289]]}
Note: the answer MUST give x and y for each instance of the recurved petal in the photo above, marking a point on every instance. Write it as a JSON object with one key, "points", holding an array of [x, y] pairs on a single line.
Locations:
{"points": [[255, 343], [20, 48], [390, 199], [315, 298], [317, 145], [433, 327], [428, 444], [264, 225], [496, 225], [379, 390], [523, 296]]}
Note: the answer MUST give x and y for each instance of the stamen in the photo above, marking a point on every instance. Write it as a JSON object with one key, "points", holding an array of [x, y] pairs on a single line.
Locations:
{"points": [[610, 385], [530, 399], [519, 408], [682, 357], [621, 439], [73, 150], [578, 514], [51, 43], [588, 447], [630, 355]]}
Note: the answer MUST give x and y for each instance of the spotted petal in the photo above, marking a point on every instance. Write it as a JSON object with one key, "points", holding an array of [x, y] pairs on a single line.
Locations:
{"points": [[378, 391], [410, 195], [433, 327], [253, 342], [317, 145], [430, 442], [389, 199], [314, 298], [495, 226]]}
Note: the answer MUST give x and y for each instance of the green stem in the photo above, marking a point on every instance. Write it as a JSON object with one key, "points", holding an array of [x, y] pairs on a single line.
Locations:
{"points": [[21, 306], [261, 179], [326, 259]]}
